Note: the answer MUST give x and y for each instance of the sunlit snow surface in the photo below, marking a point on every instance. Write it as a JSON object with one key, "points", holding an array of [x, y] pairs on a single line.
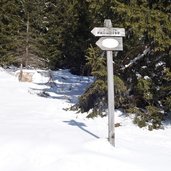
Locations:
{"points": [[38, 134]]}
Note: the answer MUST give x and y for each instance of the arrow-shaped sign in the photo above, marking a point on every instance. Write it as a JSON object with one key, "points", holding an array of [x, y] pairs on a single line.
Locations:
{"points": [[105, 31], [110, 43]]}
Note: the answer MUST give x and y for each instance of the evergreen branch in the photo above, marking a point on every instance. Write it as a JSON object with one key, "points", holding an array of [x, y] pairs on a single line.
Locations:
{"points": [[138, 57]]}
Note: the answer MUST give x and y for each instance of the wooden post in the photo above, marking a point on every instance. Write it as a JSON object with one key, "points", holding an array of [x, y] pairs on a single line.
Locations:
{"points": [[26, 55], [21, 73], [110, 80]]}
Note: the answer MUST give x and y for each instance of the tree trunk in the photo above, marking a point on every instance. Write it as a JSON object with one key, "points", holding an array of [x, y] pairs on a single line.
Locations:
{"points": [[26, 55]]}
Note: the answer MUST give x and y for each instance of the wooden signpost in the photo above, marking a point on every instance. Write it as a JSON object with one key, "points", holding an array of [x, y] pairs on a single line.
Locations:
{"points": [[111, 40]]}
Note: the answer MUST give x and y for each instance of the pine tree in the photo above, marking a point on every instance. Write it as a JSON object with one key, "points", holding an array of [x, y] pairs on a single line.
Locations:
{"points": [[31, 31], [21, 31], [75, 45], [146, 57], [8, 30], [146, 54]]}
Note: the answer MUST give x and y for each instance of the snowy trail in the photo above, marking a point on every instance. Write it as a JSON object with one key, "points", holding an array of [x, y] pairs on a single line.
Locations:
{"points": [[36, 134], [35, 129]]}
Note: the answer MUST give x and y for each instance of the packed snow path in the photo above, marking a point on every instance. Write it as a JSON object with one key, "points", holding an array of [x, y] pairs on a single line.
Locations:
{"points": [[37, 134]]}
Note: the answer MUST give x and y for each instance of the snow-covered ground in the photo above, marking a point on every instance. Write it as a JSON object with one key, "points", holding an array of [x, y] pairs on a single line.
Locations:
{"points": [[39, 134]]}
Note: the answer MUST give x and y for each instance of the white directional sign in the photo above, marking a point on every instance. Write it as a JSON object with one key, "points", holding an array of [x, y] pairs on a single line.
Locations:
{"points": [[105, 31], [110, 43]]}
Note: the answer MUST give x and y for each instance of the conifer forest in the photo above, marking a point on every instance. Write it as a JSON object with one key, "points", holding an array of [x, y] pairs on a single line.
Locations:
{"points": [[55, 34]]}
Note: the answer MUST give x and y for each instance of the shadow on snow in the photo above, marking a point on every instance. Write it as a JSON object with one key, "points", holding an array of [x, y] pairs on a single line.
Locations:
{"points": [[80, 125], [63, 85]]}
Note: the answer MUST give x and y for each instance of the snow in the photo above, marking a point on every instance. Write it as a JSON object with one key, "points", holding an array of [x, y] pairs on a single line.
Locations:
{"points": [[160, 64], [147, 77], [39, 134]]}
